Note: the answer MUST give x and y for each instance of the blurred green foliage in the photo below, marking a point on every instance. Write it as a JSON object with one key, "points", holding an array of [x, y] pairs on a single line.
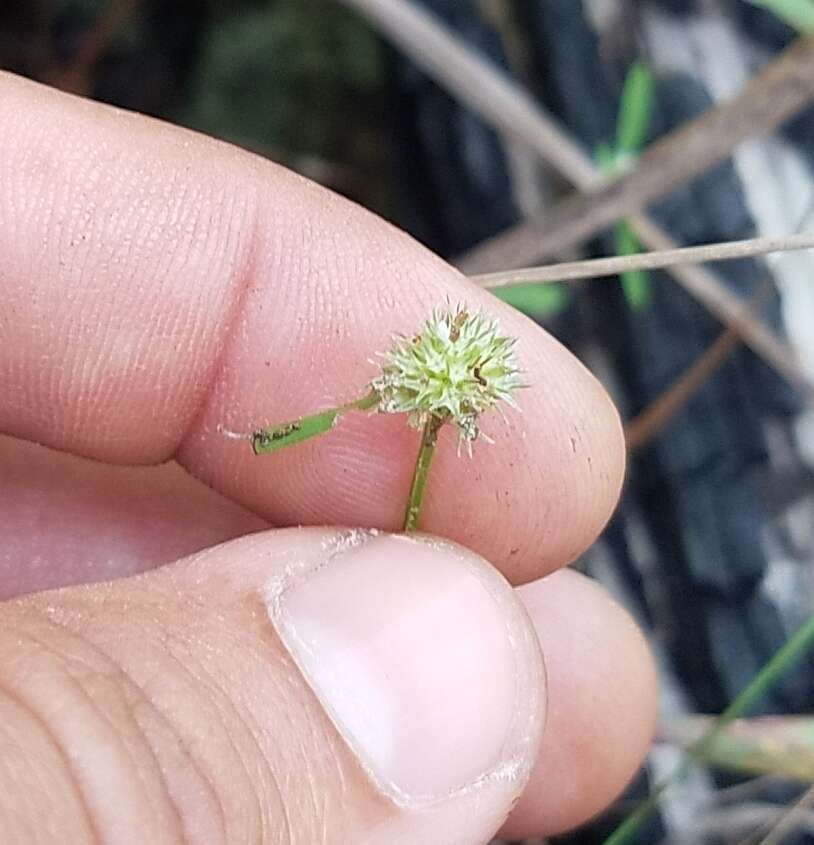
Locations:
{"points": [[540, 301], [632, 127], [285, 76]]}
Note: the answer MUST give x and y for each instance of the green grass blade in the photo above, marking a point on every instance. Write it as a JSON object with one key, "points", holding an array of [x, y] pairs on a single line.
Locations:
{"points": [[801, 642], [635, 283], [267, 440], [798, 14], [635, 109], [539, 301]]}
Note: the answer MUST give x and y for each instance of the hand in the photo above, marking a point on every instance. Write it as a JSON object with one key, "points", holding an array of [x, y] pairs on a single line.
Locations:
{"points": [[301, 685]]}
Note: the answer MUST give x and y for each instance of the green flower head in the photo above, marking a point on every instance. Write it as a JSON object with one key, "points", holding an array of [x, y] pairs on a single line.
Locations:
{"points": [[459, 366]]}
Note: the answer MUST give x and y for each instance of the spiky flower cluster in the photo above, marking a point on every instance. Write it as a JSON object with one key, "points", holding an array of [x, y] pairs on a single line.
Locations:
{"points": [[458, 367]]}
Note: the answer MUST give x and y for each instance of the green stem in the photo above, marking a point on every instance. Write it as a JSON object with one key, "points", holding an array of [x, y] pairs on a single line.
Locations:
{"points": [[801, 641], [429, 437], [275, 437]]}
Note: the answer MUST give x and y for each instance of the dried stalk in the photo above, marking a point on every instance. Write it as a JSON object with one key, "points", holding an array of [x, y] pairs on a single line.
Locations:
{"points": [[781, 89], [477, 83], [650, 422], [790, 820], [594, 268], [731, 820], [483, 88], [729, 309]]}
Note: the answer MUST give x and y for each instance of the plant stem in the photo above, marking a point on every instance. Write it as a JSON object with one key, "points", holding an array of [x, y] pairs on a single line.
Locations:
{"points": [[275, 437], [429, 437], [801, 641]]}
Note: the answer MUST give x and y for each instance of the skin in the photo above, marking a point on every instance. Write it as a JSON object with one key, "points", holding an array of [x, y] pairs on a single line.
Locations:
{"points": [[155, 285]]}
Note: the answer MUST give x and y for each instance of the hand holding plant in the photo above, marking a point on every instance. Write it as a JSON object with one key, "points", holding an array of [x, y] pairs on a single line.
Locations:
{"points": [[456, 368], [216, 694]]}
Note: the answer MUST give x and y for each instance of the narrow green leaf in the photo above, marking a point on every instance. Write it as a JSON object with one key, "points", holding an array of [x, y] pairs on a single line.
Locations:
{"points": [[798, 14], [606, 158], [287, 434], [540, 301], [635, 109], [275, 437], [635, 283], [783, 659]]}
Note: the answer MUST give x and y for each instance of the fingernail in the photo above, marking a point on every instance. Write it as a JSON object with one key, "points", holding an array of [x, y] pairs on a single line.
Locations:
{"points": [[422, 660]]}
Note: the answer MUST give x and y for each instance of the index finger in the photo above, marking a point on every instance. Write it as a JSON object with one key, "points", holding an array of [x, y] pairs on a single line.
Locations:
{"points": [[158, 284]]}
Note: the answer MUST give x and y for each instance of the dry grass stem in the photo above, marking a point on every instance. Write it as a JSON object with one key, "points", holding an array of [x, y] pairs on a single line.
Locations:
{"points": [[790, 820], [741, 818], [597, 267], [780, 90], [477, 83], [729, 309], [504, 104], [650, 422]]}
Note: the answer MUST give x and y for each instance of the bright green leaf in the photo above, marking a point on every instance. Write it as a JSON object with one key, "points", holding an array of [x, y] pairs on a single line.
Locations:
{"points": [[635, 109], [538, 301]]}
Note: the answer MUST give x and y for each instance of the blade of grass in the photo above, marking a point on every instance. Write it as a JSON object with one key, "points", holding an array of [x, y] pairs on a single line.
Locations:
{"points": [[800, 642], [780, 90], [477, 83], [538, 301], [275, 437], [635, 109], [632, 126], [636, 283]]}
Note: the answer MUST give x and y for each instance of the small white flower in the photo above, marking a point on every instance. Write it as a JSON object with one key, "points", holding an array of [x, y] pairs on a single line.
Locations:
{"points": [[459, 366]]}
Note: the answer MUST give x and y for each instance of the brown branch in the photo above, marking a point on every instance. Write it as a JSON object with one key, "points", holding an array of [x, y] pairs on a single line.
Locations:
{"points": [[650, 422], [594, 268], [790, 820], [729, 309], [780, 90], [477, 83], [504, 104]]}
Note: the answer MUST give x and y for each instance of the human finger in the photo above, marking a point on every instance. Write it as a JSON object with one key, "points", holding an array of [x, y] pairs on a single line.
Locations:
{"points": [[301, 685], [158, 285], [69, 520], [602, 693]]}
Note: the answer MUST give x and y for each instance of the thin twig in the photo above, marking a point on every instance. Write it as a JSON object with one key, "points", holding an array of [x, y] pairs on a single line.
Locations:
{"points": [[597, 267], [733, 819], [477, 83], [781, 89], [646, 425], [729, 309], [503, 103], [790, 820]]}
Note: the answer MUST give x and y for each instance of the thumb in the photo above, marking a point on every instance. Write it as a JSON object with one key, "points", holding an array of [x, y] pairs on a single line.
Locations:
{"points": [[297, 686]]}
